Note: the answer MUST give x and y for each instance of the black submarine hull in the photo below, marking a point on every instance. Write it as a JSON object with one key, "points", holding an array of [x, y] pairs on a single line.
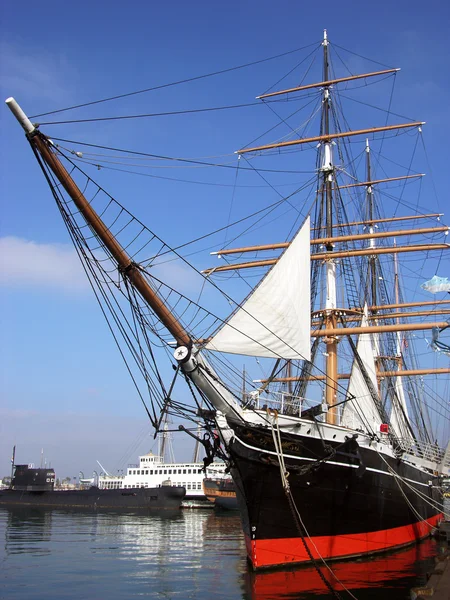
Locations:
{"points": [[164, 497]]}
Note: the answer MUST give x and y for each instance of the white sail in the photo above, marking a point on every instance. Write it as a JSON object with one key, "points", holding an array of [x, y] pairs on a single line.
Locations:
{"points": [[362, 413], [399, 412], [274, 321]]}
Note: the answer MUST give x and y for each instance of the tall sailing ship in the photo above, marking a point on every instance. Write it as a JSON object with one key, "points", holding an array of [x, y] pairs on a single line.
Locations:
{"points": [[333, 452]]}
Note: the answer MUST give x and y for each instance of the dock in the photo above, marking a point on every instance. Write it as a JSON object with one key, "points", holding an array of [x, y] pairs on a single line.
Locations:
{"points": [[438, 584]]}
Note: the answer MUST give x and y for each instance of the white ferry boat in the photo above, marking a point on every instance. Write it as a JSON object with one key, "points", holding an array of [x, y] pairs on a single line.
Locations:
{"points": [[152, 471]]}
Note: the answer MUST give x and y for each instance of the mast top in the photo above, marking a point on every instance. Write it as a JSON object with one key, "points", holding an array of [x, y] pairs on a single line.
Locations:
{"points": [[20, 115], [325, 38]]}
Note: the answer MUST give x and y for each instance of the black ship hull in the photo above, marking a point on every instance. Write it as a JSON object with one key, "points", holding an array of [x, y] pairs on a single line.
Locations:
{"points": [[350, 500], [165, 497]]}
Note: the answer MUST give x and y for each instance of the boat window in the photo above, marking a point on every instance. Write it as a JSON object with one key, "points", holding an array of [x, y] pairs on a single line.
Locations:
{"points": [[189, 471], [146, 471], [151, 471], [165, 471], [184, 471], [170, 471]]}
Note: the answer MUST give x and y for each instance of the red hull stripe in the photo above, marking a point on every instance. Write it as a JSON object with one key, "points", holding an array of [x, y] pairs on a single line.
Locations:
{"points": [[267, 553]]}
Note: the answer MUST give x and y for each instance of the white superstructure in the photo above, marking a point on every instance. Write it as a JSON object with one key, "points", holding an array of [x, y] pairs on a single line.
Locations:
{"points": [[153, 472]]}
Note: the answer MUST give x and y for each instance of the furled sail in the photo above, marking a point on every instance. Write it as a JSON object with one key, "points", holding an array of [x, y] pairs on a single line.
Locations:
{"points": [[399, 412], [362, 413], [274, 321]]}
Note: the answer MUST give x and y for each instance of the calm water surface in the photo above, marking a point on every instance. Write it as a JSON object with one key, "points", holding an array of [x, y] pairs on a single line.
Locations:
{"points": [[199, 554]]}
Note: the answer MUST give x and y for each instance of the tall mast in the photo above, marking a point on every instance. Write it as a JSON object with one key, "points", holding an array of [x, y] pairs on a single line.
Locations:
{"points": [[327, 155], [13, 464], [371, 216], [163, 440], [372, 259], [196, 454], [327, 169]]}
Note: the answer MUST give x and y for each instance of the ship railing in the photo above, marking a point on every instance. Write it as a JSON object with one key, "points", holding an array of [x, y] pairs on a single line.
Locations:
{"points": [[283, 402], [426, 450]]}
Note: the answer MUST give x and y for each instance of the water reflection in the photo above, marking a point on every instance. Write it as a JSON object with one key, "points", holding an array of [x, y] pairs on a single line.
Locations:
{"points": [[71, 554], [157, 555], [394, 573], [27, 531]]}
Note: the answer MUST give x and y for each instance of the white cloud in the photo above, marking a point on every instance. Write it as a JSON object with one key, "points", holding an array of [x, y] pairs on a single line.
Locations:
{"points": [[24, 263]]}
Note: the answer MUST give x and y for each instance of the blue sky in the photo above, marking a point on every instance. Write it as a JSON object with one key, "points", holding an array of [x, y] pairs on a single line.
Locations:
{"points": [[63, 385]]}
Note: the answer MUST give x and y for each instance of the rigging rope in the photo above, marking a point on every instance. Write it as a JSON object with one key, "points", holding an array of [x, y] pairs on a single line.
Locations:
{"points": [[171, 158], [150, 115], [181, 81], [436, 505]]}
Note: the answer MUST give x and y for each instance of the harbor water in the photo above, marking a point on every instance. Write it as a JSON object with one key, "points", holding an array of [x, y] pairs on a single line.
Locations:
{"points": [[57, 554]]}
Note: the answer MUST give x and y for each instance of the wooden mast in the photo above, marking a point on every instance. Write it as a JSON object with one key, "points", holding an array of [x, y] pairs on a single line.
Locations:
{"points": [[126, 266], [330, 136], [376, 181], [338, 331], [381, 374], [409, 304], [336, 239], [388, 220], [328, 83], [339, 254], [397, 315], [346, 331]]}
